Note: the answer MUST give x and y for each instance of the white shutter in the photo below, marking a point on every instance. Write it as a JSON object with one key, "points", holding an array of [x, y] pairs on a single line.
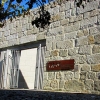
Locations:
{"points": [[10, 69], [15, 69], [5, 75], [39, 68], [2, 67]]}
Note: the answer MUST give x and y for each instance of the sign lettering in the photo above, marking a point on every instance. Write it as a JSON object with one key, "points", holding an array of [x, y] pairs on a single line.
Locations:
{"points": [[60, 65]]}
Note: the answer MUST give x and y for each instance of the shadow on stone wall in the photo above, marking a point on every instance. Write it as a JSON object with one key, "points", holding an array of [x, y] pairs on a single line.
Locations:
{"points": [[44, 95], [21, 82]]}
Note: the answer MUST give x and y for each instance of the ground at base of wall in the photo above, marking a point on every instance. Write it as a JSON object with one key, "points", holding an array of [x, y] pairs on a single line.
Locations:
{"points": [[44, 95]]}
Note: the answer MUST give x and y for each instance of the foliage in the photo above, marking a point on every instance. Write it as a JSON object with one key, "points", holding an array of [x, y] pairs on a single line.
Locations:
{"points": [[13, 8]]}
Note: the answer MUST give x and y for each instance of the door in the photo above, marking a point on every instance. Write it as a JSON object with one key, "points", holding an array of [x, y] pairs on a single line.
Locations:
{"points": [[27, 68], [10, 69], [31, 68], [39, 68], [2, 68], [14, 63]]}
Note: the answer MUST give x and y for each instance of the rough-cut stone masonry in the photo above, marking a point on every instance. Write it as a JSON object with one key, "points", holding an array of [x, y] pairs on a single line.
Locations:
{"points": [[74, 33]]}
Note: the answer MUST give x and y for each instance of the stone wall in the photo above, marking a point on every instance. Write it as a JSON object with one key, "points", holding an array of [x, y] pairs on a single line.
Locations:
{"points": [[74, 33]]}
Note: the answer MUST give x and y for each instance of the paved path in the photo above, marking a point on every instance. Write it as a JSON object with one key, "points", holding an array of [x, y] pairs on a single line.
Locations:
{"points": [[44, 95]]}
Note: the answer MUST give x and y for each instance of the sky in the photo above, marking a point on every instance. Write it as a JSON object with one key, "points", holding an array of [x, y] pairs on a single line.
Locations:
{"points": [[23, 4]]}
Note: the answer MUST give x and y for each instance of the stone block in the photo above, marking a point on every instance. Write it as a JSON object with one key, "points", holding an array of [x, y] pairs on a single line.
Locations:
{"points": [[94, 12], [55, 24], [50, 10], [88, 22], [68, 13], [72, 19], [7, 27], [74, 86], [46, 83], [29, 32], [79, 17], [72, 52], [54, 45], [49, 39], [99, 19], [3, 44], [94, 30], [93, 59], [59, 38], [14, 36], [76, 58], [49, 46], [73, 11], [29, 26], [45, 76], [71, 35], [97, 38], [76, 75], [86, 32], [24, 33], [67, 5], [1, 39], [51, 75], [80, 33], [18, 29], [86, 67], [97, 85], [64, 22], [81, 41], [83, 75], [62, 14], [13, 42], [40, 36], [11, 25], [91, 75], [54, 84], [89, 85], [17, 23], [86, 15], [55, 31], [47, 54], [6, 33], [68, 75], [84, 50], [91, 39], [98, 75], [61, 84], [96, 68], [55, 17], [96, 49], [13, 31], [62, 7], [63, 53], [64, 44], [54, 53], [59, 75], [89, 7], [26, 39], [56, 10], [72, 28], [72, 4]]}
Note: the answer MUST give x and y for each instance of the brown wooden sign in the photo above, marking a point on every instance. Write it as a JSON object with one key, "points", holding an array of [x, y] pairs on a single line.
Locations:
{"points": [[60, 65]]}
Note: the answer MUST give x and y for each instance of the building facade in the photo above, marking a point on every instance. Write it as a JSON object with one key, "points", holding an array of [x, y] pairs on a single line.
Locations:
{"points": [[74, 33]]}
